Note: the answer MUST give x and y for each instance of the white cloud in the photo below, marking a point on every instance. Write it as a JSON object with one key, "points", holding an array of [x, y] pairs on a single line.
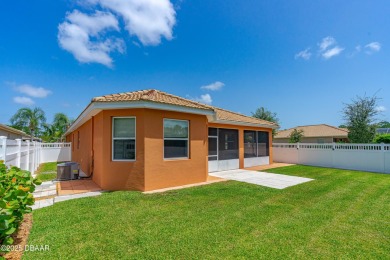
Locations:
{"points": [[213, 86], [206, 99], [326, 43], [328, 47], [381, 109], [149, 20], [74, 35], [305, 54], [332, 52], [26, 101], [37, 92], [373, 47]]}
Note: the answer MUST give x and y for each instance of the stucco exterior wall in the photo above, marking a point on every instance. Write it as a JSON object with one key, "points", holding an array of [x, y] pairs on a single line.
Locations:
{"points": [[122, 175], [160, 172], [149, 170], [82, 146], [98, 149]]}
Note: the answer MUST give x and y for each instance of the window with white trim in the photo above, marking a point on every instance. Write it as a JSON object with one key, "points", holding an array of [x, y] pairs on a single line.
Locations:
{"points": [[176, 138], [123, 138]]}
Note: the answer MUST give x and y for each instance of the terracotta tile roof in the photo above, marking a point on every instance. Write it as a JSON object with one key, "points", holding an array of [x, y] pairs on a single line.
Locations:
{"points": [[150, 95], [165, 98], [321, 130], [223, 114]]}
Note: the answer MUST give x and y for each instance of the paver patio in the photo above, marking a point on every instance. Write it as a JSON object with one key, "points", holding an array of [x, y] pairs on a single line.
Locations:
{"points": [[271, 180], [51, 192], [77, 187]]}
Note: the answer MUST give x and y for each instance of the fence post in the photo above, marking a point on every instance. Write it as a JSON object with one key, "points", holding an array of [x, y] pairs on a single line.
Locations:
{"points": [[384, 157], [36, 155], [39, 153], [28, 156], [333, 153], [3, 141], [33, 157], [19, 152]]}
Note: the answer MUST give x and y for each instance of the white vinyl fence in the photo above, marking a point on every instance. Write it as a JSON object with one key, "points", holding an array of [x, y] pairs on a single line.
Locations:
{"points": [[29, 155], [363, 157]]}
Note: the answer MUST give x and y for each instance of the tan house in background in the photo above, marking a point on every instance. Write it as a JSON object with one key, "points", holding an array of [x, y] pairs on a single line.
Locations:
{"points": [[315, 134], [149, 139], [12, 133]]}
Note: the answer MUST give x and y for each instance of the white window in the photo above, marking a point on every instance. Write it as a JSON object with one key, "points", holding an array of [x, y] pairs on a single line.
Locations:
{"points": [[176, 134], [123, 139]]}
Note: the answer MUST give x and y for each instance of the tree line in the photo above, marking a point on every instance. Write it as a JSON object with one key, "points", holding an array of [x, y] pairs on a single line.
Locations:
{"points": [[360, 118], [32, 121]]}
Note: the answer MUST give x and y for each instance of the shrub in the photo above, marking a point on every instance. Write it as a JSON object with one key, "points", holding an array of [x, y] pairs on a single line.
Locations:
{"points": [[16, 188], [384, 138], [296, 136]]}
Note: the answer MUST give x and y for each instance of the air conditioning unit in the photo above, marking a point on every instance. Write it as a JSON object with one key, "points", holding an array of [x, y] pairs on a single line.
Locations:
{"points": [[68, 171]]}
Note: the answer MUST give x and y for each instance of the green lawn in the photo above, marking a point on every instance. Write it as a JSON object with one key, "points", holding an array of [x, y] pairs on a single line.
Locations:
{"points": [[342, 214], [47, 171]]}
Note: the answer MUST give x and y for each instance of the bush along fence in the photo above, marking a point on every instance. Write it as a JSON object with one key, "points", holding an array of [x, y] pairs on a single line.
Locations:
{"points": [[16, 199], [29, 155], [361, 157]]}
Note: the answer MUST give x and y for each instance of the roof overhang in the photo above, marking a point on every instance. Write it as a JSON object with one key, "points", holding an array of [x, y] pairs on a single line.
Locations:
{"points": [[230, 122], [13, 130], [96, 107], [321, 136]]}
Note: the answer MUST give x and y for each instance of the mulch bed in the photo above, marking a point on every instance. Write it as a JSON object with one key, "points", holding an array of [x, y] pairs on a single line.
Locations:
{"points": [[20, 238]]}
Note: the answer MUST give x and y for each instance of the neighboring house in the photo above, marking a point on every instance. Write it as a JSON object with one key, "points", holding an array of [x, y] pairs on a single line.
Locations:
{"points": [[381, 131], [149, 139], [315, 134], [12, 133]]}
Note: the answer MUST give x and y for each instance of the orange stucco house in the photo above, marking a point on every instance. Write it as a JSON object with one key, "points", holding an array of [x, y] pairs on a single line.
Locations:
{"points": [[147, 140]]}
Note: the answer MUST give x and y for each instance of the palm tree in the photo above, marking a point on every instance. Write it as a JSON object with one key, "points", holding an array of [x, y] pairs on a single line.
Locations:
{"points": [[61, 122], [50, 133], [29, 120]]}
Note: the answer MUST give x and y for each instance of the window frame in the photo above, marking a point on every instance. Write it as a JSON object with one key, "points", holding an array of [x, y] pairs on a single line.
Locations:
{"points": [[123, 138], [180, 138], [214, 137]]}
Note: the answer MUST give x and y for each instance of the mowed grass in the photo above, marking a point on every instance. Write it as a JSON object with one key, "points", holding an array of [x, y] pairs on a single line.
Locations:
{"points": [[47, 171], [341, 214]]}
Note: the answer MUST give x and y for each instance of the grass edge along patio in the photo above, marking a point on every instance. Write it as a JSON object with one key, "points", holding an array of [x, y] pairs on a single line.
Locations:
{"points": [[149, 139]]}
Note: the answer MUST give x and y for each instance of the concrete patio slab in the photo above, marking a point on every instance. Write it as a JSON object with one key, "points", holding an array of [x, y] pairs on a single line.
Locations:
{"points": [[268, 166], [42, 203], [210, 180], [271, 180], [77, 196]]}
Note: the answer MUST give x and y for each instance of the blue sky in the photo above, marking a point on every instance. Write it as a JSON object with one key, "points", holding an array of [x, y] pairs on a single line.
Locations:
{"points": [[300, 59]]}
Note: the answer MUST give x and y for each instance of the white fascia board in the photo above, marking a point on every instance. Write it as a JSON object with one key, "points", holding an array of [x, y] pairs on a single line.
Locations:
{"points": [[87, 114], [95, 107], [152, 105], [228, 122]]}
